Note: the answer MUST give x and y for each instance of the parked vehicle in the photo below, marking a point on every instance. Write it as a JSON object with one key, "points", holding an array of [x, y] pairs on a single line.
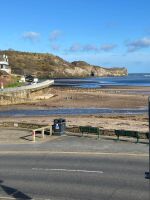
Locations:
{"points": [[31, 79]]}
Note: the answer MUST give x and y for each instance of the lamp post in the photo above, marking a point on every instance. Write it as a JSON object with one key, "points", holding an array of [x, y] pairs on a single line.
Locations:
{"points": [[147, 174]]}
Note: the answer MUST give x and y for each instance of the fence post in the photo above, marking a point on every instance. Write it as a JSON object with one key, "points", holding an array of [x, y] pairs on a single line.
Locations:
{"points": [[43, 133], [50, 130]]}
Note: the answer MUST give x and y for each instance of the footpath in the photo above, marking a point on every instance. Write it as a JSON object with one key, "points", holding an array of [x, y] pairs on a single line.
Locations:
{"points": [[69, 144]]}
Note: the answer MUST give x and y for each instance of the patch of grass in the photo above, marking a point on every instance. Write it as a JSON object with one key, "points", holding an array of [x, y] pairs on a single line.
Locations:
{"points": [[14, 82]]}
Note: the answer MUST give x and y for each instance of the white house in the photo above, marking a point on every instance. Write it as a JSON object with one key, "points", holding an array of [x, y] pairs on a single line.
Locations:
{"points": [[4, 64]]}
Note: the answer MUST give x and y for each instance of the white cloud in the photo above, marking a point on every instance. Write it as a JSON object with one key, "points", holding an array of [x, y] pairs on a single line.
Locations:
{"points": [[90, 47], [138, 44], [54, 35], [55, 47], [31, 35], [75, 47], [108, 47]]}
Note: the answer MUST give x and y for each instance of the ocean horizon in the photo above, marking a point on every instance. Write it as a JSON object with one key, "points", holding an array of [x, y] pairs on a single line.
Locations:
{"points": [[132, 79]]}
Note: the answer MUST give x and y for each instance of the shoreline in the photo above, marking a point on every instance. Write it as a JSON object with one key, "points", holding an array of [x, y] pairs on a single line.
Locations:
{"points": [[112, 98]]}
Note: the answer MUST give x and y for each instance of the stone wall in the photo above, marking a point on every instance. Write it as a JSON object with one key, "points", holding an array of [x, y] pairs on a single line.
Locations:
{"points": [[15, 98], [23, 94]]}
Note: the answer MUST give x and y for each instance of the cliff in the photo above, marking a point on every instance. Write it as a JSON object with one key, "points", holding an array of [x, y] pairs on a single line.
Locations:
{"points": [[50, 66]]}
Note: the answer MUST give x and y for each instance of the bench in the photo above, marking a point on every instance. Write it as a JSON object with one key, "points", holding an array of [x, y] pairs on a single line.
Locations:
{"points": [[90, 129], [42, 129], [133, 134]]}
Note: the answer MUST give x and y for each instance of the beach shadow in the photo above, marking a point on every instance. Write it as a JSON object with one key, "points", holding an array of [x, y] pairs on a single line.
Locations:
{"points": [[14, 193]]}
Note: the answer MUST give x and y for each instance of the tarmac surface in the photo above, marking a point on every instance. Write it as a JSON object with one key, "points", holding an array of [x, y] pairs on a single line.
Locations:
{"points": [[21, 140], [65, 176], [72, 168]]}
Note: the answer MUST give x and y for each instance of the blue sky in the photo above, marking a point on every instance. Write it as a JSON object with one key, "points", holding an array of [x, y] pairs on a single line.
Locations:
{"points": [[110, 33]]}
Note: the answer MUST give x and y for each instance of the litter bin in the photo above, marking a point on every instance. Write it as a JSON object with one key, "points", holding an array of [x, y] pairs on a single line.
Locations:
{"points": [[59, 126]]}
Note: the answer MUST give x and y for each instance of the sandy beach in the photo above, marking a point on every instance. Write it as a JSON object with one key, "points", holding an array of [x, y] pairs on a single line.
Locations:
{"points": [[97, 98], [107, 97]]}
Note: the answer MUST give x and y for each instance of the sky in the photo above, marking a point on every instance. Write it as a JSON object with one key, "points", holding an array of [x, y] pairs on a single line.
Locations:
{"points": [[108, 33]]}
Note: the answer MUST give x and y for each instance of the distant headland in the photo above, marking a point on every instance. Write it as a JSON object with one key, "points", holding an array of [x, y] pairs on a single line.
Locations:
{"points": [[44, 65]]}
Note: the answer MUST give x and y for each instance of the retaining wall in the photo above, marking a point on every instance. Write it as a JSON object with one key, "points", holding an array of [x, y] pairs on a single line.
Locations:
{"points": [[22, 94]]}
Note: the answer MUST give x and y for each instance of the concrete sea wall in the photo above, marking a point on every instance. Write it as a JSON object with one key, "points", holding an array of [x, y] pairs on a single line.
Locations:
{"points": [[23, 94]]}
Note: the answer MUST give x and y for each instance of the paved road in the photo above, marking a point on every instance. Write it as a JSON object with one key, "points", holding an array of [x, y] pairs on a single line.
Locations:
{"points": [[73, 177], [74, 168]]}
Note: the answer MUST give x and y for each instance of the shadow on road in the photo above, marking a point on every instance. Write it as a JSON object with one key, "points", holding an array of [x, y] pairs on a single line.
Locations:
{"points": [[29, 137], [26, 137], [14, 193]]}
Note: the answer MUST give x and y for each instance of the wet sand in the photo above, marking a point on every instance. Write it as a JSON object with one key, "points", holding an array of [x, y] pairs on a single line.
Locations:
{"points": [[98, 98], [106, 97]]}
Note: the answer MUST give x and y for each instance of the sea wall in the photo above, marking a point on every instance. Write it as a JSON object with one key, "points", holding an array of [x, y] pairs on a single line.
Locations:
{"points": [[15, 97], [23, 94]]}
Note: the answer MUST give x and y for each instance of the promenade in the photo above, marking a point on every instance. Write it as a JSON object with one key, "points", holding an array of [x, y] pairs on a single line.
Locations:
{"points": [[31, 87]]}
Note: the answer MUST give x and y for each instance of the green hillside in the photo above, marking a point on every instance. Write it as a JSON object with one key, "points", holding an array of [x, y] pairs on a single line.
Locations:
{"points": [[51, 66]]}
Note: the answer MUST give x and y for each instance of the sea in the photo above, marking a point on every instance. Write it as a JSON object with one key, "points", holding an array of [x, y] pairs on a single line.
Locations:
{"points": [[135, 79]]}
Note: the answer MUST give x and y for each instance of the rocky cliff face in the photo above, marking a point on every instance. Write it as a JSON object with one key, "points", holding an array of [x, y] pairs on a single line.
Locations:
{"points": [[50, 66], [89, 70]]}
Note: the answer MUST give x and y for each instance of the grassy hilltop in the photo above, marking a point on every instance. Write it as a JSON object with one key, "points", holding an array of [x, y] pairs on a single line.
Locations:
{"points": [[51, 66]]}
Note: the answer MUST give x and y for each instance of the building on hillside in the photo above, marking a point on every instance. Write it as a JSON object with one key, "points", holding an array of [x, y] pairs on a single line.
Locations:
{"points": [[4, 64]]}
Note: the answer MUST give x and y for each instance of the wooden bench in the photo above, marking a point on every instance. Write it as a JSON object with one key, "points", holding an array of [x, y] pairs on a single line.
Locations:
{"points": [[90, 129], [42, 129], [127, 133]]}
